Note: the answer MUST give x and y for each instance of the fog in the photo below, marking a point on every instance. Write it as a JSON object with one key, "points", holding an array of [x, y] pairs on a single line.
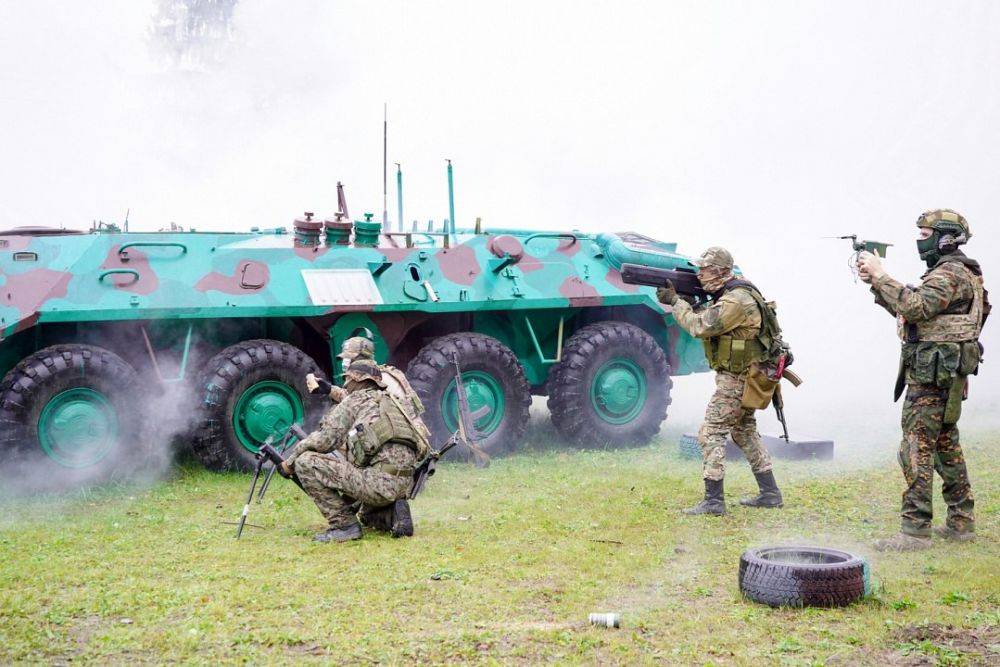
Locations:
{"points": [[762, 127]]}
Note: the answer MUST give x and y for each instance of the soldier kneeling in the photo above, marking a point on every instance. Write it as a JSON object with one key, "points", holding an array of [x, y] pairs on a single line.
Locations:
{"points": [[365, 451]]}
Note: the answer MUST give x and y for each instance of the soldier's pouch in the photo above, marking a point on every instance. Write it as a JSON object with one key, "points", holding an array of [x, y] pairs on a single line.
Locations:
{"points": [[936, 364], [972, 354], [758, 390]]}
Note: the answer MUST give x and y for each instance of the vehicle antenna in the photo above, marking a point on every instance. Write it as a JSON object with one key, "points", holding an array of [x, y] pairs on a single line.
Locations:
{"points": [[451, 198], [126, 219], [385, 145], [399, 197]]}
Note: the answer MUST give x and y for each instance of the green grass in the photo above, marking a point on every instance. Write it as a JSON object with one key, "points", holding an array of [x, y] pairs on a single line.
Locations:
{"points": [[506, 564]]}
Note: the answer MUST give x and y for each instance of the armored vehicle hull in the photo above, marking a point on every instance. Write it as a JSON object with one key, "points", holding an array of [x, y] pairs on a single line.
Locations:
{"points": [[105, 335]]}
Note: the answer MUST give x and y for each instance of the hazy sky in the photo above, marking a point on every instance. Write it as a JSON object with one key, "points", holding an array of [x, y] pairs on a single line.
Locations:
{"points": [[761, 126]]}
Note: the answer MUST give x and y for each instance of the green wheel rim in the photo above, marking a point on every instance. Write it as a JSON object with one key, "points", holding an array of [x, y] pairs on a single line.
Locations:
{"points": [[481, 389], [78, 427], [265, 409], [618, 392]]}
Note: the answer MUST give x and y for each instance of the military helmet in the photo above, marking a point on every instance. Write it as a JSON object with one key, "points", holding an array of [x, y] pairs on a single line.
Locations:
{"points": [[945, 221], [364, 369], [357, 347], [715, 256]]}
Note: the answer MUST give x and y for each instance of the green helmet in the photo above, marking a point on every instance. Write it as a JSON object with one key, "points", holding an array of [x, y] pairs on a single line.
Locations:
{"points": [[945, 221], [949, 230]]}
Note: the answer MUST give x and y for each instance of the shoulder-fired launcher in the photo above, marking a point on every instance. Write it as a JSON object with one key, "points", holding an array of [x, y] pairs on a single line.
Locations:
{"points": [[685, 282]]}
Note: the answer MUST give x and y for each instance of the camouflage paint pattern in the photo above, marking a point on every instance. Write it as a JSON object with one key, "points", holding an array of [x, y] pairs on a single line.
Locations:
{"points": [[928, 445], [725, 416], [108, 276], [336, 485]]}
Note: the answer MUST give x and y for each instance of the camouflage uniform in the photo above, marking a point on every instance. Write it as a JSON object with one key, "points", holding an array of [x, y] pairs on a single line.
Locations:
{"points": [[736, 314], [337, 467], [930, 367]]}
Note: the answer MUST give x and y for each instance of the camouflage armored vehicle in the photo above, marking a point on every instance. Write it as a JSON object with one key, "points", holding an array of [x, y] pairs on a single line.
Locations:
{"points": [[104, 334]]}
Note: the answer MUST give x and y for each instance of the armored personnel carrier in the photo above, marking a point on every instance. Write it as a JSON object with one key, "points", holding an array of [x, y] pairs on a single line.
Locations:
{"points": [[106, 333]]}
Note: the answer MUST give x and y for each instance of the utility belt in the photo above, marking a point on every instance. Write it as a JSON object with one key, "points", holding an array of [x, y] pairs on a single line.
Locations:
{"points": [[395, 471], [928, 366], [726, 353]]}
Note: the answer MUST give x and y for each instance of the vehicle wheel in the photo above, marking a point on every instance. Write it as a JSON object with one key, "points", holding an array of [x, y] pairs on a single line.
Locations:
{"points": [[492, 376], [252, 390], [68, 414], [803, 577], [612, 386]]}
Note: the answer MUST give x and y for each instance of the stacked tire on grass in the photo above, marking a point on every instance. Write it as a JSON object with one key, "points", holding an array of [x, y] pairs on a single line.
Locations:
{"points": [[803, 577]]}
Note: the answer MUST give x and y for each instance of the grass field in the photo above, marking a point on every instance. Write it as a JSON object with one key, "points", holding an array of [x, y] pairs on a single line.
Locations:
{"points": [[506, 564]]}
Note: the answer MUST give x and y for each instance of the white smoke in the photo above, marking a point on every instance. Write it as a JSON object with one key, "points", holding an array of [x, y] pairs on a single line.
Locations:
{"points": [[758, 127]]}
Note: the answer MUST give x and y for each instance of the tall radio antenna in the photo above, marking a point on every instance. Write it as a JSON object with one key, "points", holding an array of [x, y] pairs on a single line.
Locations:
{"points": [[385, 145]]}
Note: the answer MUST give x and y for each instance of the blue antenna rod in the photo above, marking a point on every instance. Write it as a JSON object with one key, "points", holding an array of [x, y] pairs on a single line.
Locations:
{"points": [[451, 198], [399, 197]]}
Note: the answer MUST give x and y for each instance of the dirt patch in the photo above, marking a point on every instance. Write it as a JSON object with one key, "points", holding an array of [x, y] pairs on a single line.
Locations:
{"points": [[933, 644]]}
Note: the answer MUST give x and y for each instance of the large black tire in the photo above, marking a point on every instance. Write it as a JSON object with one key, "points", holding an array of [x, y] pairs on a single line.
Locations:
{"points": [[232, 372], [432, 372], [99, 395], [592, 351], [803, 577]]}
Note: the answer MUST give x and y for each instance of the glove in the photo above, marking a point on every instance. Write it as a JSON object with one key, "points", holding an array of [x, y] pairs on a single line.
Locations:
{"points": [[314, 384], [667, 294], [287, 469], [869, 267], [337, 394]]}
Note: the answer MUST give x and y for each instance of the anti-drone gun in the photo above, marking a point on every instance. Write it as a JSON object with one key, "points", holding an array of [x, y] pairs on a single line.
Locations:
{"points": [[864, 245]]}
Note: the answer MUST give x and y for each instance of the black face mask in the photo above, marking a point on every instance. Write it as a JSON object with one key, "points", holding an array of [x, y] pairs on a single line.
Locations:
{"points": [[928, 248]]}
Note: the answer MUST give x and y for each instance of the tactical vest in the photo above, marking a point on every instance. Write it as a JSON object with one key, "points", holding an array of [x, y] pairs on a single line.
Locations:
{"points": [[392, 425], [727, 353], [949, 327]]}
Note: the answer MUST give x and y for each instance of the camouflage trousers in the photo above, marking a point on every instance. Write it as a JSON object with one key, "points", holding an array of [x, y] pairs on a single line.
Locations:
{"points": [[336, 486], [726, 416], [929, 444]]}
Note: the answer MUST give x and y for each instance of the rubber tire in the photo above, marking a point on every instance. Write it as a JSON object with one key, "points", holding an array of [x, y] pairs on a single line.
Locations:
{"points": [[840, 581], [432, 370], [231, 372], [569, 383], [28, 387]]}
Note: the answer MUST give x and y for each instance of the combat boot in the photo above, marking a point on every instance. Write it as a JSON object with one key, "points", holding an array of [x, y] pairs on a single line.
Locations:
{"points": [[949, 533], [345, 534], [714, 502], [903, 542], [402, 522], [378, 519], [770, 494]]}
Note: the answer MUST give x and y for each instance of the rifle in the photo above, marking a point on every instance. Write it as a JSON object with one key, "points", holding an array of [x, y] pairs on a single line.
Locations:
{"points": [[466, 434], [874, 247], [685, 281], [275, 456]]}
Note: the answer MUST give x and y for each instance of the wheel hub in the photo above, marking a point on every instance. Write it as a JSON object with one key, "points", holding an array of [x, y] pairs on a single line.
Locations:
{"points": [[266, 409], [481, 390], [77, 427], [618, 392]]}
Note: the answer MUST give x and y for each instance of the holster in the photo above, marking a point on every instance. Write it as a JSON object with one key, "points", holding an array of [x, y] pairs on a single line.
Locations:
{"points": [[956, 394]]}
